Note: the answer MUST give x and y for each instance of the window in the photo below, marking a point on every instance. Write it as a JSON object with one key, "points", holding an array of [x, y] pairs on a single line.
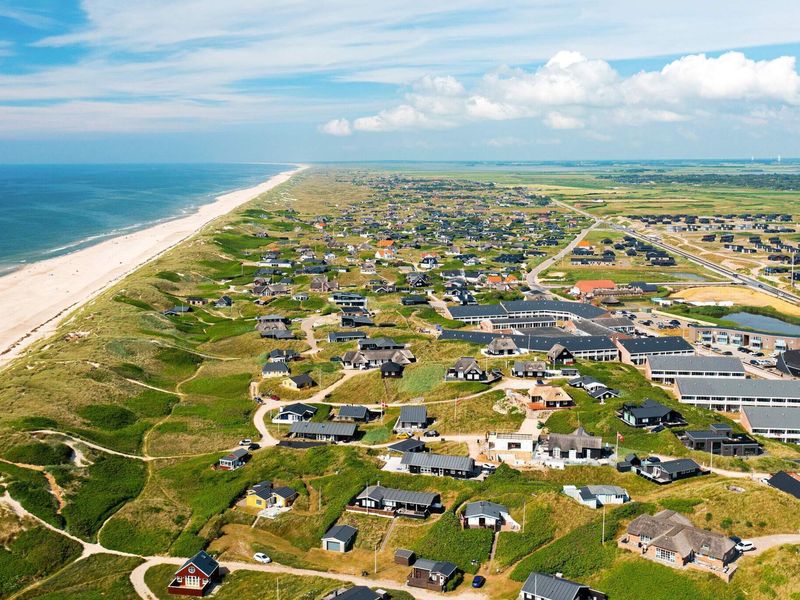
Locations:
{"points": [[665, 555], [192, 581]]}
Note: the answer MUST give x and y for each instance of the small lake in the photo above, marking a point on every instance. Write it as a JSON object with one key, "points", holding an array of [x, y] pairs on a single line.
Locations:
{"points": [[763, 324]]}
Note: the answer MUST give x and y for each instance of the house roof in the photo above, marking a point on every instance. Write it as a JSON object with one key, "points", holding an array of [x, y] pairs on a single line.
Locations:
{"points": [[276, 367], [647, 345], [502, 343], [284, 492], [342, 533], [311, 428], [438, 461], [353, 411], [203, 562], [413, 414], [391, 367], [298, 408], [384, 494], [530, 365], [302, 378], [724, 364], [436, 566], [577, 440], [484, 508], [672, 531], [407, 445], [588, 285], [648, 409], [237, 454], [786, 482], [359, 592], [739, 388], [551, 588], [603, 490], [578, 309], [773, 417], [678, 465]]}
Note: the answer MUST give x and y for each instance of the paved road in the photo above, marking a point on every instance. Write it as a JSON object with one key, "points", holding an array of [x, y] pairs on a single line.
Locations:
{"points": [[767, 542], [532, 276]]}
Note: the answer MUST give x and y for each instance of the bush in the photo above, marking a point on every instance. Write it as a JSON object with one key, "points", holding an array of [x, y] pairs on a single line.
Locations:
{"points": [[39, 453], [31, 489], [107, 416], [109, 483], [681, 505], [169, 276], [34, 553]]}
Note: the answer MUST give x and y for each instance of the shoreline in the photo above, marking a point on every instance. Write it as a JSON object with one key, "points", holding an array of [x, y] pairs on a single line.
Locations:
{"points": [[35, 298]]}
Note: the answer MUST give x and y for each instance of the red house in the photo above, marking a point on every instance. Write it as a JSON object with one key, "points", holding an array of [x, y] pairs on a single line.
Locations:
{"points": [[197, 576]]}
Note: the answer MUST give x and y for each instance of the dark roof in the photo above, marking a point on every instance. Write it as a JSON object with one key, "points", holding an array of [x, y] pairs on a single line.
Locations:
{"points": [[204, 562], [438, 461], [353, 411], [298, 408], [476, 310], [678, 362], [413, 414], [276, 367], [786, 482], [359, 592], [407, 445], [380, 493], [649, 345], [391, 367], [483, 508], [284, 492], [678, 465], [436, 566], [302, 379], [579, 309], [551, 588], [536, 343], [648, 409], [789, 362], [343, 533], [773, 417], [338, 429]]}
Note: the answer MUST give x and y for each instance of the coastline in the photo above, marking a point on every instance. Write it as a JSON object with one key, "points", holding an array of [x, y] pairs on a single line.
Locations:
{"points": [[35, 298]]}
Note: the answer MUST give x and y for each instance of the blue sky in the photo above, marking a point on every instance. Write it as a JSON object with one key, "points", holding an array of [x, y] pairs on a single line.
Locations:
{"points": [[281, 80]]}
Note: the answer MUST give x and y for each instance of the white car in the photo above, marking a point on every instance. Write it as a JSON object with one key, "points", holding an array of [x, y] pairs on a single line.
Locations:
{"points": [[245, 442], [262, 558], [745, 546]]}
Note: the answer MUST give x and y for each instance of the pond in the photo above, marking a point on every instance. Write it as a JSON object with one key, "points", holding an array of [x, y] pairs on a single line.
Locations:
{"points": [[763, 324]]}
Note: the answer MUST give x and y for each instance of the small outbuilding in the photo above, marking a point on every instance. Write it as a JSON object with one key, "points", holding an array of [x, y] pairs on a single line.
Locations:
{"points": [[339, 538]]}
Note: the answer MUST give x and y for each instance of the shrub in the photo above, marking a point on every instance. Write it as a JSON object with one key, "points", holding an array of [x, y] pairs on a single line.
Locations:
{"points": [[107, 416], [681, 505], [39, 453], [169, 276], [34, 553]]}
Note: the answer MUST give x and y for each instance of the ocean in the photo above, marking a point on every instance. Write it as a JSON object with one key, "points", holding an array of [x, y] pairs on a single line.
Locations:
{"points": [[48, 210]]}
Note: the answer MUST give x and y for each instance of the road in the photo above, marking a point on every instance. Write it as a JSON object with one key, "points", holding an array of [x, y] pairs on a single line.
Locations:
{"points": [[768, 542], [711, 266], [307, 326], [532, 276]]}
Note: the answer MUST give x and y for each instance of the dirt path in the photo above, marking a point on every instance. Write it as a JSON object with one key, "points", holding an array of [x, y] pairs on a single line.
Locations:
{"points": [[768, 542], [307, 326]]}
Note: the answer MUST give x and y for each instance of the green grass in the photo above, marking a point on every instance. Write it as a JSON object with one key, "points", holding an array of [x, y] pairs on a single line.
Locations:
{"points": [[446, 540], [32, 554], [98, 577], [682, 505], [40, 453], [30, 488], [107, 416], [515, 545], [420, 379], [639, 578], [108, 483]]}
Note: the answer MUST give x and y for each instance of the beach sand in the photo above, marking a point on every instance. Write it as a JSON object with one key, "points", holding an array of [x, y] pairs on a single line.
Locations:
{"points": [[35, 299]]}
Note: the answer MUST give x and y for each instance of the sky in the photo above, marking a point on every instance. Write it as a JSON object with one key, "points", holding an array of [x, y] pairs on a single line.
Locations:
{"points": [[350, 80]]}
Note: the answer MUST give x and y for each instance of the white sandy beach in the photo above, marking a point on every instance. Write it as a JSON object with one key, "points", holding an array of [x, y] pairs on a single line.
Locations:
{"points": [[34, 299]]}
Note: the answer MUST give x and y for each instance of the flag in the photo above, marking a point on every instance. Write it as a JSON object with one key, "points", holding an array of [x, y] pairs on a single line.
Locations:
{"points": [[620, 437]]}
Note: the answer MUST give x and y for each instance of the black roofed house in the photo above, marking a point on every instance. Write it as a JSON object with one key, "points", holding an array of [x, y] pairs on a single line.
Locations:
{"points": [[667, 471], [176, 311], [283, 356], [195, 577], [540, 586], [358, 592], [323, 432], [529, 368], [396, 502], [466, 368], [417, 279], [345, 336], [412, 418], [356, 321], [575, 446], [559, 353], [275, 369], [339, 538], [234, 460], [291, 413], [407, 445], [789, 362], [380, 343], [649, 414], [299, 382], [354, 412], [348, 299], [426, 463], [603, 393], [431, 574], [413, 300], [370, 359], [719, 439], [224, 302], [786, 482], [502, 346], [635, 351], [487, 515], [391, 370]]}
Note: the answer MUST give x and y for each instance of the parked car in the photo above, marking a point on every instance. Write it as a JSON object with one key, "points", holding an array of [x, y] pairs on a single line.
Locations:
{"points": [[758, 354], [745, 546], [431, 433], [478, 581], [262, 558], [727, 353], [753, 361], [657, 428], [245, 442], [254, 446]]}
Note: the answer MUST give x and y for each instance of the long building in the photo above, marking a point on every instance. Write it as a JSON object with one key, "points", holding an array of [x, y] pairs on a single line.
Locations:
{"points": [[775, 422], [560, 310], [731, 395], [590, 347], [635, 351], [756, 340], [666, 369]]}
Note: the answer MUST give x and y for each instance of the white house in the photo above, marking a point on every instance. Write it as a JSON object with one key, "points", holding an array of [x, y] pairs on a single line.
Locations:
{"points": [[595, 496]]}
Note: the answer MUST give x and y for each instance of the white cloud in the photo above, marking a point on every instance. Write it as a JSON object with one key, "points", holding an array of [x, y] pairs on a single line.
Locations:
{"points": [[338, 127], [571, 91]]}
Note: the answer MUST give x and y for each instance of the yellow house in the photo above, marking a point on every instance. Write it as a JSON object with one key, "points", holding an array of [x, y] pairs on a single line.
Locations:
{"points": [[263, 495]]}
